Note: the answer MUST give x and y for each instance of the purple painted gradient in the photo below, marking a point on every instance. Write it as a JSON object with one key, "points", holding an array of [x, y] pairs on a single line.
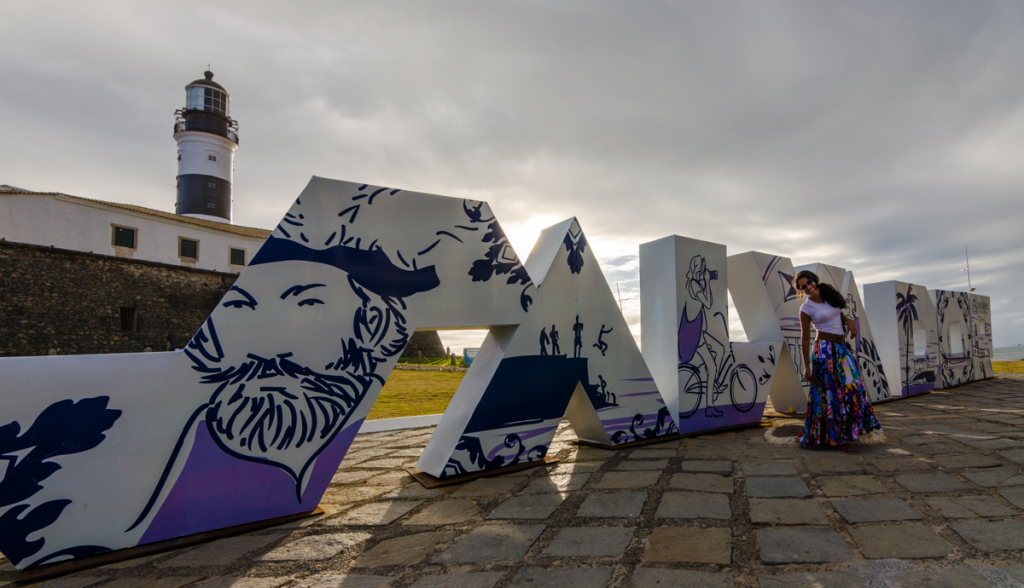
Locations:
{"points": [[639, 394], [918, 389], [216, 490], [730, 418]]}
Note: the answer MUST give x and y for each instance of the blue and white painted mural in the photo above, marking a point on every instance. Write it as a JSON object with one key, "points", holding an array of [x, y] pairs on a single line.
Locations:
{"points": [[709, 382], [251, 419], [956, 343], [872, 370], [762, 288], [981, 336], [571, 355], [906, 331]]}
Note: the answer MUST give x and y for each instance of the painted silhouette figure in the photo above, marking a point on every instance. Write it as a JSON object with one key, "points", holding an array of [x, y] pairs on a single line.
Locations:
{"points": [[601, 345], [577, 339], [609, 397], [554, 341], [694, 339], [544, 340]]}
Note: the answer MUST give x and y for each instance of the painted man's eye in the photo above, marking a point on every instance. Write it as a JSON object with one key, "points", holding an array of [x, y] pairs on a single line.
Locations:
{"points": [[247, 301], [240, 304], [298, 289]]}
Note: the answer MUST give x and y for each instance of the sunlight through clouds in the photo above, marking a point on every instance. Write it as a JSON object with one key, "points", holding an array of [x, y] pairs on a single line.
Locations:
{"points": [[880, 137]]}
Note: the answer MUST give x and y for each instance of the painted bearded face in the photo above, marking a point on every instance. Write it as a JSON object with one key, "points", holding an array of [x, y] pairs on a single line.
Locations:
{"points": [[307, 356]]}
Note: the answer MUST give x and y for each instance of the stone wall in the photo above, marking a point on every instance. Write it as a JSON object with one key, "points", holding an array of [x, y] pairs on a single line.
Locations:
{"points": [[72, 302]]}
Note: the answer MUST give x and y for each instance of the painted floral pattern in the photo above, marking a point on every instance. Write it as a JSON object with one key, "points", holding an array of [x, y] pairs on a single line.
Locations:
{"points": [[838, 409]]}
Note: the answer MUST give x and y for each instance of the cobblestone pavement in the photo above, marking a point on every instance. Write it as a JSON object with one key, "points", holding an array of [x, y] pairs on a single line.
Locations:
{"points": [[939, 503]]}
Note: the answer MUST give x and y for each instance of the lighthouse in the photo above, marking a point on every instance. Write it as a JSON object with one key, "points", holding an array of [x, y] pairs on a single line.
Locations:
{"points": [[207, 140]]}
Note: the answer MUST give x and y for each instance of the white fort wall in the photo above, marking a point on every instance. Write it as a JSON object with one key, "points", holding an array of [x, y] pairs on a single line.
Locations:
{"points": [[80, 225]]}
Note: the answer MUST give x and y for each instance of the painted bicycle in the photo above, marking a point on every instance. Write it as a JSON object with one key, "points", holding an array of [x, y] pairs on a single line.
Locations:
{"points": [[741, 382]]}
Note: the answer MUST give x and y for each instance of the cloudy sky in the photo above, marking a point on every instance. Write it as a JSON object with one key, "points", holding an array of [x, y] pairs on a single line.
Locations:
{"points": [[882, 137]]}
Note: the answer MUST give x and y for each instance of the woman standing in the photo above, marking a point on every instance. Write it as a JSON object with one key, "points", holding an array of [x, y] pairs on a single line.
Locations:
{"points": [[838, 409]]}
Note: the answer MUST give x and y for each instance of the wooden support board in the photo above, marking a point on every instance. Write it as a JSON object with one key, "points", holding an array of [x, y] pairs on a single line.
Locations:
{"points": [[75, 565]]}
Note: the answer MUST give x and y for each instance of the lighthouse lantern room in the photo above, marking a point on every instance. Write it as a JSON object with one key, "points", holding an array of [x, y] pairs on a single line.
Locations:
{"points": [[207, 140]]}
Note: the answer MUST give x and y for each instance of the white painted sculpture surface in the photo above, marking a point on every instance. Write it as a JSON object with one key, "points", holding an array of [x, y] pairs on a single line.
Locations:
{"points": [[568, 353], [981, 336], [762, 289], [250, 421], [708, 381], [828, 274], [955, 336], [904, 323], [872, 371]]}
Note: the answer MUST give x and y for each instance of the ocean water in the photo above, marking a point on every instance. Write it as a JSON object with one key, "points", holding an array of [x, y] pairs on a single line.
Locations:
{"points": [[1010, 353]]}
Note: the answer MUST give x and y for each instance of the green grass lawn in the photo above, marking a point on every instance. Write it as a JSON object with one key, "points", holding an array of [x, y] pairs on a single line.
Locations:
{"points": [[1008, 367], [415, 393]]}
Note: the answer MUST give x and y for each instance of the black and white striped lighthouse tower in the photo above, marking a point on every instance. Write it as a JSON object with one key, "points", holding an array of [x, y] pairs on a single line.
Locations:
{"points": [[207, 140]]}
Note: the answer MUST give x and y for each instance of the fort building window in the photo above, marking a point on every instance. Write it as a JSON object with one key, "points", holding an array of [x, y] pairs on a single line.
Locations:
{"points": [[123, 237], [188, 249], [236, 256], [129, 319]]}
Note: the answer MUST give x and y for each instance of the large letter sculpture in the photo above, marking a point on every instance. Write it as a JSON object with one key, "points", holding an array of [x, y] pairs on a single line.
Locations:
{"points": [[981, 336], [708, 382], [572, 355], [868, 359], [762, 289], [871, 369], [956, 343], [250, 421], [905, 327]]}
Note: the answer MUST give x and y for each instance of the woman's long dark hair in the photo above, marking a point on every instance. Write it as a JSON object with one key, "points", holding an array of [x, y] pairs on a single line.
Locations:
{"points": [[828, 293]]}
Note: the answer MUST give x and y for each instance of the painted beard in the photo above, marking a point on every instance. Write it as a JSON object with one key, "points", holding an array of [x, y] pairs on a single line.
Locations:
{"points": [[277, 411], [274, 409]]}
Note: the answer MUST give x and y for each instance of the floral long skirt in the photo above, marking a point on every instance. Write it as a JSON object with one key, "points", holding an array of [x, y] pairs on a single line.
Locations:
{"points": [[838, 408]]}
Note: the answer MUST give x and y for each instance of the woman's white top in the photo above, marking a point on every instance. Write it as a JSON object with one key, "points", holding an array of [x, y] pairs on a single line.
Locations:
{"points": [[825, 317]]}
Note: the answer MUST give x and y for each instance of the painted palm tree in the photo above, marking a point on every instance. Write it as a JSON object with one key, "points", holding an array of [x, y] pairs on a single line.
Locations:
{"points": [[906, 312]]}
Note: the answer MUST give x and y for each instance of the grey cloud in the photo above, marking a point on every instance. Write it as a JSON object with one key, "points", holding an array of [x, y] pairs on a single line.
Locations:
{"points": [[877, 136]]}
